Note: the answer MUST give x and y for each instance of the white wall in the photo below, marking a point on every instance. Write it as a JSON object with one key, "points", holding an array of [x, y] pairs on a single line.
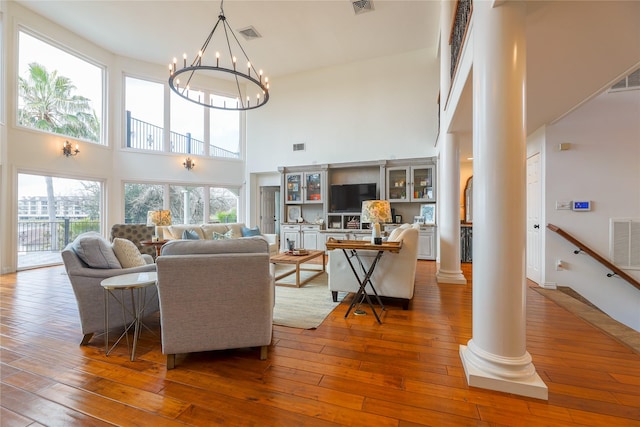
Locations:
{"points": [[602, 165], [383, 108]]}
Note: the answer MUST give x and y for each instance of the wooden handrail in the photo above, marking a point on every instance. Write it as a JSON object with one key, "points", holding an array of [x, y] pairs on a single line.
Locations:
{"points": [[584, 248]]}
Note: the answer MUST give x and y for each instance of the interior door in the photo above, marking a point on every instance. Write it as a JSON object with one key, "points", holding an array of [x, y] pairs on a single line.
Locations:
{"points": [[269, 196], [534, 228]]}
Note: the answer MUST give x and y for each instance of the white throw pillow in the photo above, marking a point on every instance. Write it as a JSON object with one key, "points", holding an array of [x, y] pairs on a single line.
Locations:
{"points": [[127, 253]]}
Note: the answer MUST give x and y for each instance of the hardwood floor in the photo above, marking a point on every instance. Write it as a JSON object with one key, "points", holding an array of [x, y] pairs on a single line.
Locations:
{"points": [[405, 372]]}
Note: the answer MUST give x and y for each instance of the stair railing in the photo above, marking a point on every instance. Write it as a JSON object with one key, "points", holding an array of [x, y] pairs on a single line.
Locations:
{"points": [[615, 271]]}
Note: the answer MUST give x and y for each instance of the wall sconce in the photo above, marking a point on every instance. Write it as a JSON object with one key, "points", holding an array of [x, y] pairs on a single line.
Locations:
{"points": [[67, 151], [189, 164]]}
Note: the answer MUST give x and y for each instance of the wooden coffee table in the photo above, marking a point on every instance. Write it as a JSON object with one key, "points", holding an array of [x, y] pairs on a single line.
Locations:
{"points": [[297, 260]]}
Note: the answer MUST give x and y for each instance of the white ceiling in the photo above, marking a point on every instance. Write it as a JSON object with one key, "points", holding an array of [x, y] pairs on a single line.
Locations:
{"points": [[297, 35]]}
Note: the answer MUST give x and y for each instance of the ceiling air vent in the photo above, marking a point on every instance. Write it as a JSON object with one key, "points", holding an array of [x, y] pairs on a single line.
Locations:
{"points": [[298, 147], [250, 33], [632, 81], [362, 6]]}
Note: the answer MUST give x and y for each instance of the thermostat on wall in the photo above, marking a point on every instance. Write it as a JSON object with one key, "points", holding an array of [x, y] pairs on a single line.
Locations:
{"points": [[582, 206]]}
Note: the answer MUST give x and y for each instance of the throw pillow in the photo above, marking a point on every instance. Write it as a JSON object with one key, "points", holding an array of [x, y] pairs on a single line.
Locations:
{"points": [[190, 235], [248, 232], [220, 236], [127, 253], [95, 251]]}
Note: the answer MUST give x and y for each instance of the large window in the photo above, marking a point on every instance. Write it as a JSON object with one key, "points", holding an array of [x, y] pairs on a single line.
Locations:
{"points": [[187, 124], [58, 92], [225, 129], [140, 199], [195, 129], [144, 120], [203, 203], [52, 212]]}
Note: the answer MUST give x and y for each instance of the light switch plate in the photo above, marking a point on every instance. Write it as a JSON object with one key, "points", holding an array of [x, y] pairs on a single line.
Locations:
{"points": [[563, 205]]}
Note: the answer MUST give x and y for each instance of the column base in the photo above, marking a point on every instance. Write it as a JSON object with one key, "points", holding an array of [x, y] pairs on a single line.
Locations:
{"points": [[528, 384], [453, 277]]}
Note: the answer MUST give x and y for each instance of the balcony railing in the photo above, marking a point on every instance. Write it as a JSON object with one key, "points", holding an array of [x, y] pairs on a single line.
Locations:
{"points": [[46, 236], [145, 136], [459, 30]]}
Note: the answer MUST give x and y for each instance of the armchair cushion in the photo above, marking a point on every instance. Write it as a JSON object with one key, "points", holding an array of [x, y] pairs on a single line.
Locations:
{"points": [[95, 251], [127, 253]]}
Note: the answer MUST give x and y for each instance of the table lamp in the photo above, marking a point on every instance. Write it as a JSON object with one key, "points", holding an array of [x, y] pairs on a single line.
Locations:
{"points": [[376, 212], [158, 218]]}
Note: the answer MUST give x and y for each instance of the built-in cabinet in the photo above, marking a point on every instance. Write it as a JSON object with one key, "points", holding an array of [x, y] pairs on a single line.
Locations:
{"points": [[303, 235], [411, 184], [426, 240], [407, 184], [303, 187]]}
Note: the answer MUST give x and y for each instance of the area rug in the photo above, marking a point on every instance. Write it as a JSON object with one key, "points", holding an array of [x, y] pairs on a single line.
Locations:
{"points": [[304, 307]]}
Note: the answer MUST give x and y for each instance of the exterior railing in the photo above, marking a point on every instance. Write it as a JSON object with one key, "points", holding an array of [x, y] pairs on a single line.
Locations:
{"points": [[459, 30], [145, 136], [46, 236]]}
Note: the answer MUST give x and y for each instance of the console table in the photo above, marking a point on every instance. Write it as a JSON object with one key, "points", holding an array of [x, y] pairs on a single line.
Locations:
{"points": [[353, 246]]}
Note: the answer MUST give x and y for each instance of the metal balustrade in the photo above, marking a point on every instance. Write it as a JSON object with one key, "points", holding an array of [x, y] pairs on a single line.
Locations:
{"points": [[145, 136], [48, 236]]}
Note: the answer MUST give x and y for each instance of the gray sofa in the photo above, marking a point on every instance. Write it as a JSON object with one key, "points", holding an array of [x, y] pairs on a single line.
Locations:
{"points": [[85, 281], [215, 295]]}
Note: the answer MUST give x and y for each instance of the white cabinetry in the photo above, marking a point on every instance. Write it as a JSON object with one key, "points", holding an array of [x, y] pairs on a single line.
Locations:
{"points": [[411, 184], [303, 235], [427, 243], [303, 187]]}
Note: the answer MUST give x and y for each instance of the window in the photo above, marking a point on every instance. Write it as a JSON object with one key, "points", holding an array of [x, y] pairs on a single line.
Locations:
{"points": [[223, 205], [73, 83], [224, 129], [187, 124], [144, 119], [139, 199], [43, 232], [193, 197]]}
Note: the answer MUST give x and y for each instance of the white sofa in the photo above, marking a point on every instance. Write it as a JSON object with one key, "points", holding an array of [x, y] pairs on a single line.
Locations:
{"points": [[206, 232], [394, 275]]}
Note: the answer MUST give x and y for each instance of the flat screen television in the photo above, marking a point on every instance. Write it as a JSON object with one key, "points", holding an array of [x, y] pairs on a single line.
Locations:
{"points": [[349, 197]]}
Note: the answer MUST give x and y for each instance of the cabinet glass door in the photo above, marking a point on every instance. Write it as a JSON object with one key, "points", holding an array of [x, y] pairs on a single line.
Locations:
{"points": [[313, 186], [397, 183], [294, 188], [423, 183]]}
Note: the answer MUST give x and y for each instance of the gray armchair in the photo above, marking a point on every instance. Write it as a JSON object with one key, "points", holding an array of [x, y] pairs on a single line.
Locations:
{"points": [[215, 295], [85, 282]]}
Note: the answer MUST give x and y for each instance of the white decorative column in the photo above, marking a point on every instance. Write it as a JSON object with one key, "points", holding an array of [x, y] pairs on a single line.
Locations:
{"points": [[449, 223], [449, 193], [496, 357]]}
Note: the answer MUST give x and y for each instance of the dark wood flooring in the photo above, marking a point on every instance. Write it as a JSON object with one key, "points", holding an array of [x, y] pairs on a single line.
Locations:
{"points": [[405, 372]]}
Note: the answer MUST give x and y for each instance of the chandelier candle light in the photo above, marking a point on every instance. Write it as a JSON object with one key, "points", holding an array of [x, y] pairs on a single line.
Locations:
{"points": [[199, 75], [376, 212]]}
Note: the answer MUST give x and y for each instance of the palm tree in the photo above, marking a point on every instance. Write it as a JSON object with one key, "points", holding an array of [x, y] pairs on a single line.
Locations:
{"points": [[47, 103]]}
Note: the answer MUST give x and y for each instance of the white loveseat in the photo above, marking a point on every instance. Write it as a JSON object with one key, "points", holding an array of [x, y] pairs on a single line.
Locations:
{"points": [[394, 275], [213, 232]]}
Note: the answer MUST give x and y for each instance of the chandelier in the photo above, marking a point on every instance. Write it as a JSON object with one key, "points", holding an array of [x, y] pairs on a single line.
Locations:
{"points": [[204, 70]]}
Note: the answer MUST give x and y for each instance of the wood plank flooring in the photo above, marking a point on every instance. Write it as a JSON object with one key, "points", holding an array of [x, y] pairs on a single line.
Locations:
{"points": [[352, 372]]}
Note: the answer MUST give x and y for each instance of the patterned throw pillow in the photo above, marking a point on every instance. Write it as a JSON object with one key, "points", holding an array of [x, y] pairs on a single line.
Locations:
{"points": [[225, 236], [190, 235], [127, 253], [248, 232]]}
